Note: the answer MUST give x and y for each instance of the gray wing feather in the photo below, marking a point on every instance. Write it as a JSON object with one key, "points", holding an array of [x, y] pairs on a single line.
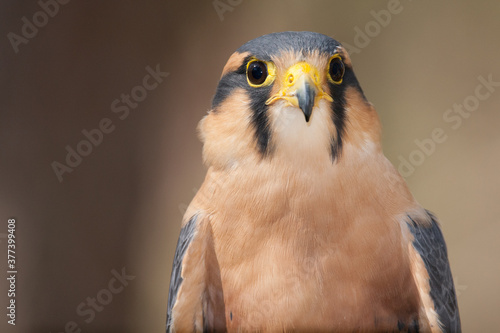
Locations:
{"points": [[430, 244], [185, 239]]}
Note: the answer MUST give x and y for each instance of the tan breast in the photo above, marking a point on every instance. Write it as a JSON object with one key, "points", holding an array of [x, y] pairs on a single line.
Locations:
{"points": [[305, 249]]}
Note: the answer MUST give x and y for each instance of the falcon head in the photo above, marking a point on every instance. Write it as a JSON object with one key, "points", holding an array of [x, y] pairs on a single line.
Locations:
{"points": [[289, 94]]}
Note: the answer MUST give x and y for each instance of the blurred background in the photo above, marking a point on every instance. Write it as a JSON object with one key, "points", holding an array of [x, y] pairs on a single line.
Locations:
{"points": [[68, 67]]}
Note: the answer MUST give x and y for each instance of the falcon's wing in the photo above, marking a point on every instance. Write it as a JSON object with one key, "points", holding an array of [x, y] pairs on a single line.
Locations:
{"points": [[185, 238], [429, 243]]}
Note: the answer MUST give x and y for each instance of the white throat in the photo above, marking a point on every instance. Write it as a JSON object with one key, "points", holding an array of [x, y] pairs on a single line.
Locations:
{"points": [[299, 142]]}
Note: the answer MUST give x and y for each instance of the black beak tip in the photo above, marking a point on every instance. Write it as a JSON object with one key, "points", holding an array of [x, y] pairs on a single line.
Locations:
{"points": [[307, 115], [306, 101]]}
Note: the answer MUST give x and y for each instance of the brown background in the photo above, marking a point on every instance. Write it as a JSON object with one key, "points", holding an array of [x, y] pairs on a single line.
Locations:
{"points": [[122, 206]]}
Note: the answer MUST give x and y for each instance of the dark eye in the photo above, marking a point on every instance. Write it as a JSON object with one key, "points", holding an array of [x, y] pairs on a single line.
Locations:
{"points": [[336, 70], [257, 73]]}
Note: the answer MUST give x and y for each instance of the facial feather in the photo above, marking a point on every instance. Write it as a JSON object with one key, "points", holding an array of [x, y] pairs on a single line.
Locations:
{"points": [[279, 129]]}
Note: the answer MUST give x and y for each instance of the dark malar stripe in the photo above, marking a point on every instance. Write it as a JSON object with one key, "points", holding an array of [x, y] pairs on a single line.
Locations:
{"points": [[339, 109], [258, 98]]}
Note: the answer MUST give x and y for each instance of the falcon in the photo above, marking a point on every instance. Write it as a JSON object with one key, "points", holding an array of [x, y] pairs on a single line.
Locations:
{"points": [[302, 223]]}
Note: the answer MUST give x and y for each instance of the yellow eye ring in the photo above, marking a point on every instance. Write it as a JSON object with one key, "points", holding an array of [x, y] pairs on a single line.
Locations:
{"points": [[336, 69], [260, 73]]}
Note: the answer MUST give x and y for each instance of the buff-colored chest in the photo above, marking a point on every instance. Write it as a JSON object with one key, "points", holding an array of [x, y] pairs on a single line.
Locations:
{"points": [[296, 253]]}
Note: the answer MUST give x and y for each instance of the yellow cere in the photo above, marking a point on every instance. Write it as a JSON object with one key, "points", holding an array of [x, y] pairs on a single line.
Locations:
{"points": [[299, 69], [293, 79]]}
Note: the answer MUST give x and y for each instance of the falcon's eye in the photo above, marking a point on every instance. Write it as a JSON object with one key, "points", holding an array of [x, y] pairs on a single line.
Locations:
{"points": [[256, 73], [336, 69]]}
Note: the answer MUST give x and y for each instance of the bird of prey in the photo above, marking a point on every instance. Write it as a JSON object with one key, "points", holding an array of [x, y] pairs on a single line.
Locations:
{"points": [[302, 224]]}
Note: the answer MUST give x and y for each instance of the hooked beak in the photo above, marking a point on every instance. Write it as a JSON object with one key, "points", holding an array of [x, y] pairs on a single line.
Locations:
{"points": [[301, 88], [306, 95]]}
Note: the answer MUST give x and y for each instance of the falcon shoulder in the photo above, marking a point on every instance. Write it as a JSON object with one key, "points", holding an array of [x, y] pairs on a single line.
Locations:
{"points": [[429, 243], [195, 300], [185, 238]]}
